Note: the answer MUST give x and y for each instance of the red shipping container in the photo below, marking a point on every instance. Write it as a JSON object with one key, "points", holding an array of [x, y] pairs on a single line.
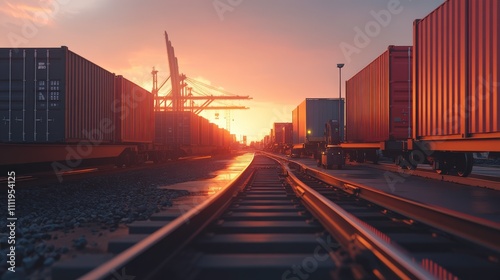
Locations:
{"points": [[456, 71], [378, 99], [205, 136], [135, 121], [211, 130], [282, 133]]}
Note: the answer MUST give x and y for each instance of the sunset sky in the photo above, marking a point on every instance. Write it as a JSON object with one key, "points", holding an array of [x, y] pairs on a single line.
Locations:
{"points": [[278, 52]]}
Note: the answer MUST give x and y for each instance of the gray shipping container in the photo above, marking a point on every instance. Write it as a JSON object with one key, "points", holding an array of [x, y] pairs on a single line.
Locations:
{"points": [[52, 95], [179, 128], [310, 116]]}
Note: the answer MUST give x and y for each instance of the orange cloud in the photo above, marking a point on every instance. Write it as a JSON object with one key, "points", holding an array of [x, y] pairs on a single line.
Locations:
{"points": [[39, 13]]}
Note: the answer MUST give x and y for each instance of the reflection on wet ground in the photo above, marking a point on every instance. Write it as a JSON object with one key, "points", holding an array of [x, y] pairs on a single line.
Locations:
{"points": [[200, 190]]}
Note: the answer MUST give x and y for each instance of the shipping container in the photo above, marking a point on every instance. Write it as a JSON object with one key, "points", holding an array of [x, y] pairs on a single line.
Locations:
{"points": [[378, 99], [135, 120], [227, 139], [212, 134], [205, 136], [282, 133], [288, 134], [310, 116], [177, 128], [456, 71], [219, 137], [52, 95]]}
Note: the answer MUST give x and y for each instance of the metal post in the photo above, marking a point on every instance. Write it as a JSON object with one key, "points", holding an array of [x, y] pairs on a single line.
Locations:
{"points": [[340, 65]]}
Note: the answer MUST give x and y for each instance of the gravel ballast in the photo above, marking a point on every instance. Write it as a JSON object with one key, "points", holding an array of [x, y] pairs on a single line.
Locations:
{"points": [[60, 219]]}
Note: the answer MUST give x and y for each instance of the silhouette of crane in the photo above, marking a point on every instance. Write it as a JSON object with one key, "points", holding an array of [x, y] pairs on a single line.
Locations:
{"points": [[185, 91]]}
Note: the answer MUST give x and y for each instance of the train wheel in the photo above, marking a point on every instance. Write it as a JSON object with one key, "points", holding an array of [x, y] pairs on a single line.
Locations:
{"points": [[124, 159], [404, 162], [464, 164], [156, 158], [441, 167], [360, 156]]}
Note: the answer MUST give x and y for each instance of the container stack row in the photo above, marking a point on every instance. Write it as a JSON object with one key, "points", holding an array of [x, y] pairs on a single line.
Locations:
{"points": [[53, 95], [188, 129]]}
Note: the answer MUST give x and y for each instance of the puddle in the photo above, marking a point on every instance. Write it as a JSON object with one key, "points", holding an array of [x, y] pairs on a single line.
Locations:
{"points": [[218, 179]]}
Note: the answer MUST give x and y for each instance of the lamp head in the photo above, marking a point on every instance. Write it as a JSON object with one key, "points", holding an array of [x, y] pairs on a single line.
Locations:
{"points": [[340, 65]]}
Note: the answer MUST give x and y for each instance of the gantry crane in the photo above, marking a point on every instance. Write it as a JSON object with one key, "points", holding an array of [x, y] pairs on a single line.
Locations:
{"points": [[181, 97]]}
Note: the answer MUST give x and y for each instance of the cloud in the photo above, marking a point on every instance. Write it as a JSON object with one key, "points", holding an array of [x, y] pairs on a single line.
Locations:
{"points": [[40, 13], [26, 11]]}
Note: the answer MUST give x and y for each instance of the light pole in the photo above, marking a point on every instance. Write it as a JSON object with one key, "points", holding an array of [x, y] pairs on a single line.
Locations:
{"points": [[340, 65]]}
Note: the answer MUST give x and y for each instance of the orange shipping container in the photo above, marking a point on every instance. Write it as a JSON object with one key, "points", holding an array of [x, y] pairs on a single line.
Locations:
{"points": [[456, 71], [378, 98]]}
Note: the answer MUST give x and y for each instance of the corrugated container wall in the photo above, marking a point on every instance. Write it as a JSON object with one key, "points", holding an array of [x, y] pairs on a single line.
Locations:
{"points": [[211, 134], [134, 112], [311, 116], [456, 71], [282, 133], [378, 98], [53, 95], [295, 125], [181, 128], [288, 134], [205, 139]]}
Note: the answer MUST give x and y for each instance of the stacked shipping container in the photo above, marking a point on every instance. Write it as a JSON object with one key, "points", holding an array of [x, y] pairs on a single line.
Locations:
{"points": [[189, 129], [52, 100]]}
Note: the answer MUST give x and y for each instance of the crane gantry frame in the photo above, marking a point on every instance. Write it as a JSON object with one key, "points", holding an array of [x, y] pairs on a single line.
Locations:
{"points": [[181, 93]]}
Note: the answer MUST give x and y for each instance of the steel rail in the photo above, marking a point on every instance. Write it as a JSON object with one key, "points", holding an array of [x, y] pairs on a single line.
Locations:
{"points": [[473, 179], [142, 258], [347, 228], [475, 229]]}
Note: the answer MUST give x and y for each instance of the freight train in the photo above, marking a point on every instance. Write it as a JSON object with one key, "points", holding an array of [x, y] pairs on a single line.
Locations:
{"points": [[435, 102], [60, 110]]}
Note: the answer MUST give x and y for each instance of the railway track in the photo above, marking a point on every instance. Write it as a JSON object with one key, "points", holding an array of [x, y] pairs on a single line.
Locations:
{"points": [[491, 180], [277, 223]]}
